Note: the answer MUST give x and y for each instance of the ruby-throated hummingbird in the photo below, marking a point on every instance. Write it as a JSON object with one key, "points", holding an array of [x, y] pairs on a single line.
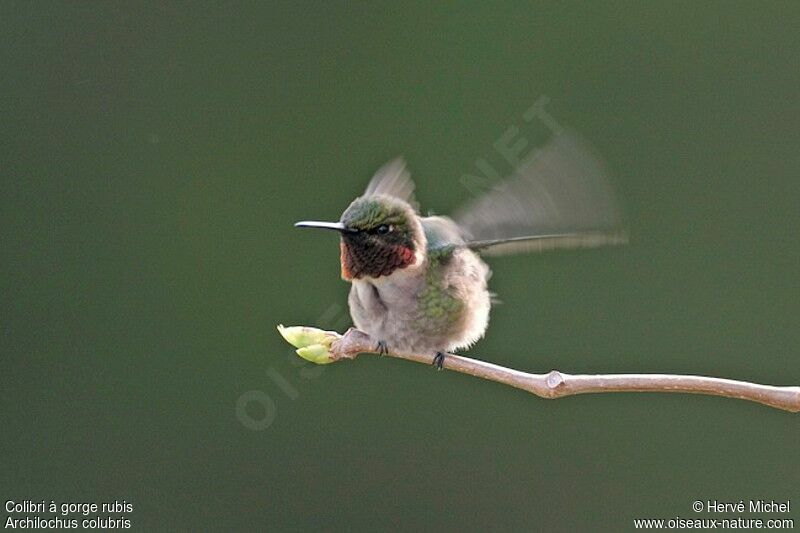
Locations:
{"points": [[419, 283]]}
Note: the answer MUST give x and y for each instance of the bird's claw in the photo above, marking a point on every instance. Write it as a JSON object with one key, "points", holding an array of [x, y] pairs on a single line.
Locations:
{"points": [[382, 348], [438, 360]]}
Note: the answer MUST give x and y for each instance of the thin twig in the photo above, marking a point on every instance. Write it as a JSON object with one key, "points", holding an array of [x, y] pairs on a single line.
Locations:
{"points": [[557, 384]]}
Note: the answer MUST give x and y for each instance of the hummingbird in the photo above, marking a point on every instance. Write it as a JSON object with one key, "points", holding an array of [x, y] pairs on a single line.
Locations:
{"points": [[420, 283]]}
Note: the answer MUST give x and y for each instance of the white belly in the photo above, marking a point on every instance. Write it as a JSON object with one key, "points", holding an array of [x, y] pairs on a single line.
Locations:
{"points": [[388, 309]]}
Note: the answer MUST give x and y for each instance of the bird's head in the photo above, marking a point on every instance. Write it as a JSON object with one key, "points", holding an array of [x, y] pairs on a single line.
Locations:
{"points": [[380, 234]]}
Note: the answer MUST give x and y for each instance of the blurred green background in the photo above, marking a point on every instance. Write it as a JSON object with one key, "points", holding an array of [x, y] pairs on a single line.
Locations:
{"points": [[154, 157]]}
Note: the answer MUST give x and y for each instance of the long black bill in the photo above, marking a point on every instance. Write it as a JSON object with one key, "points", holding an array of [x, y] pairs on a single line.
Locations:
{"points": [[337, 226]]}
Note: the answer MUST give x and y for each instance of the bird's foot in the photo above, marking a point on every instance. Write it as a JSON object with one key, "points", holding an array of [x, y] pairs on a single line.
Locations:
{"points": [[438, 360], [382, 348]]}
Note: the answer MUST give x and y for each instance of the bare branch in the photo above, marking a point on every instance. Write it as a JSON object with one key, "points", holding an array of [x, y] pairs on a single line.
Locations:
{"points": [[557, 384]]}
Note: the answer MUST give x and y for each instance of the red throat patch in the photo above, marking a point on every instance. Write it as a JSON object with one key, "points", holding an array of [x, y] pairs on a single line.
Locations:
{"points": [[374, 262], [407, 257], [346, 275]]}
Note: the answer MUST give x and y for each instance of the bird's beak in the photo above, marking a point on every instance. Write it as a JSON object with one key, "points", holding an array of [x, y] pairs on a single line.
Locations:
{"points": [[337, 226]]}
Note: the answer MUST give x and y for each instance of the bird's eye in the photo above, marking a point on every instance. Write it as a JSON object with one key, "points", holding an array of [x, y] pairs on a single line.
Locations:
{"points": [[383, 229]]}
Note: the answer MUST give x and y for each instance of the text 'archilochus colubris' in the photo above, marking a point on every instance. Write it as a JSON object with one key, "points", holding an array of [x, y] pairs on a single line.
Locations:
{"points": [[419, 284]]}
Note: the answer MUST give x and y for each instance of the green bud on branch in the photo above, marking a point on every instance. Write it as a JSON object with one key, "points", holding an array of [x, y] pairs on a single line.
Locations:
{"points": [[312, 344]]}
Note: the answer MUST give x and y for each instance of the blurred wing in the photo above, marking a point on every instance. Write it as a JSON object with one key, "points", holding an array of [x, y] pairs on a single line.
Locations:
{"points": [[543, 243], [442, 234], [558, 198], [393, 179]]}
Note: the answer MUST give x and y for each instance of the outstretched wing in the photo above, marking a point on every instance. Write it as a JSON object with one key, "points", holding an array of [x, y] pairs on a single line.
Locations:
{"points": [[443, 235], [393, 179], [558, 198]]}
